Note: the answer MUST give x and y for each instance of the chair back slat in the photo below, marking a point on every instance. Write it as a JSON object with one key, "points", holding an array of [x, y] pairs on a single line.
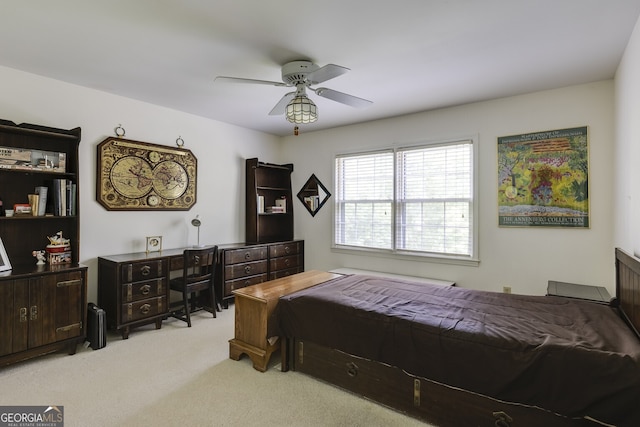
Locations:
{"points": [[198, 273], [199, 265]]}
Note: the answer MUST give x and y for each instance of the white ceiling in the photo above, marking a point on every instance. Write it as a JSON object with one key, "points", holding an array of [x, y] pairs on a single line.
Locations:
{"points": [[405, 56]]}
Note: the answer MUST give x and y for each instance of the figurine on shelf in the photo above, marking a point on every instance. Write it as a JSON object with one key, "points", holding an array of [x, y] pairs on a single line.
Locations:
{"points": [[39, 256], [58, 250], [58, 240]]}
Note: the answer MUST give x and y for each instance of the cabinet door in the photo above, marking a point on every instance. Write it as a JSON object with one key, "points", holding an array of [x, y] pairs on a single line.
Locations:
{"points": [[70, 306], [56, 304], [14, 318]]}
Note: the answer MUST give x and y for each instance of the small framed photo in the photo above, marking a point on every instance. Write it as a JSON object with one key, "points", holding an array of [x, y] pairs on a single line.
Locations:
{"points": [[154, 244], [5, 265]]}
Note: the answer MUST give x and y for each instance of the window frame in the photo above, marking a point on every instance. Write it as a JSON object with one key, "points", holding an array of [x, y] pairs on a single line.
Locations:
{"points": [[394, 252]]}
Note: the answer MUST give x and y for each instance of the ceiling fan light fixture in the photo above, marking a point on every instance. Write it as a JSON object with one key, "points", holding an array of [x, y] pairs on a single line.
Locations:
{"points": [[301, 110]]}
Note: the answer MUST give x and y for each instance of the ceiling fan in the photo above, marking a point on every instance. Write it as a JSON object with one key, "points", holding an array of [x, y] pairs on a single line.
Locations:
{"points": [[303, 75]]}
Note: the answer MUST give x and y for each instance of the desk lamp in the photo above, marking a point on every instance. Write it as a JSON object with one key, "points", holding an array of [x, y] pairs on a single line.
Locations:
{"points": [[197, 223]]}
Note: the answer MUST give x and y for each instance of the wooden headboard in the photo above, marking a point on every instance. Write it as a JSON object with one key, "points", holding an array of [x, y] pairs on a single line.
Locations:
{"points": [[628, 288]]}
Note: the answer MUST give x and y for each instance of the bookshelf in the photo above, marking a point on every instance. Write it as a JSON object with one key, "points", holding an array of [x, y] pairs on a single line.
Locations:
{"points": [[23, 233], [43, 308], [269, 202]]}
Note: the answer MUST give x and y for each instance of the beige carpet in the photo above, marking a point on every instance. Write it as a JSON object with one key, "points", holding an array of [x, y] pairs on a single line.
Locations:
{"points": [[179, 376]]}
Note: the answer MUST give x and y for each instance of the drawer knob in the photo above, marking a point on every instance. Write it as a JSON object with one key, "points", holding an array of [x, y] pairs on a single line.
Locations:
{"points": [[502, 419], [247, 255], [247, 269], [146, 308], [145, 289], [287, 262], [145, 270], [287, 249], [352, 369]]}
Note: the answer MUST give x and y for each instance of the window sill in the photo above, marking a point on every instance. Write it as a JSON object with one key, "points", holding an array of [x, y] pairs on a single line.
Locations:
{"points": [[407, 256]]}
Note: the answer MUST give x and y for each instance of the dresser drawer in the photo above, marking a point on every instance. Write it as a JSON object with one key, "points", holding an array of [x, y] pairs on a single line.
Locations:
{"points": [[282, 273], [232, 285], [142, 309], [236, 256], [236, 271], [284, 249], [144, 270], [142, 290], [285, 262]]}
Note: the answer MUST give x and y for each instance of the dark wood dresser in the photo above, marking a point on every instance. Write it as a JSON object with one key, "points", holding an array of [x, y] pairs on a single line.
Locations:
{"points": [[243, 264]]}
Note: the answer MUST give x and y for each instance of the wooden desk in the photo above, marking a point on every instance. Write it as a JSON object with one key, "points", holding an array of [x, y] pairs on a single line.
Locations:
{"points": [[133, 289], [254, 308]]}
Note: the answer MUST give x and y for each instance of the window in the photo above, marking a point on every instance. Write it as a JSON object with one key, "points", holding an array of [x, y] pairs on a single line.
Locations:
{"points": [[410, 200]]}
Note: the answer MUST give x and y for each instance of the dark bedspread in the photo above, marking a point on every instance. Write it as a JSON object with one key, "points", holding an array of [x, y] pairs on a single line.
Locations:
{"points": [[575, 358]]}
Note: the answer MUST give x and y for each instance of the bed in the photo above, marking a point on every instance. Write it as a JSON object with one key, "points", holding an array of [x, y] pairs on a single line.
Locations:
{"points": [[453, 356]]}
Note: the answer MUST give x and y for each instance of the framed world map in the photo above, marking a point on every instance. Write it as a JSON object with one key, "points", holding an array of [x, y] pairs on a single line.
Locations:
{"points": [[134, 175]]}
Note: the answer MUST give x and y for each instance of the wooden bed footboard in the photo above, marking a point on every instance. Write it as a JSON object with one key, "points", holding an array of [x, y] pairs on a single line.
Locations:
{"points": [[421, 398], [628, 288]]}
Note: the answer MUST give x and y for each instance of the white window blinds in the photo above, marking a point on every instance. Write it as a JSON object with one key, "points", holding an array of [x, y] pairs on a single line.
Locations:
{"points": [[364, 200], [416, 199], [434, 199]]}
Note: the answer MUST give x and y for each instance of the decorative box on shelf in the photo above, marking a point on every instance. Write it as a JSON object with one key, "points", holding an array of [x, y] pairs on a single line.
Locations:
{"points": [[32, 160], [58, 254]]}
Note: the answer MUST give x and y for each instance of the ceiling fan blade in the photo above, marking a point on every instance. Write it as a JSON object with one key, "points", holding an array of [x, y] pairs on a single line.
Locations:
{"points": [[252, 81], [325, 73], [282, 104], [343, 98]]}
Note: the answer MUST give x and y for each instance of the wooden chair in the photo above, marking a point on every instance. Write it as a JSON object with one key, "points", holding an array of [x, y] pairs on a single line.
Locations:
{"points": [[198, 274]]}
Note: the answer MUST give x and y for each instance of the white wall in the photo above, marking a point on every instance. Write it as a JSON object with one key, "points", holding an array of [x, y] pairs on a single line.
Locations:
{"points": [[523, 258], [219, 148], [627, 149]]}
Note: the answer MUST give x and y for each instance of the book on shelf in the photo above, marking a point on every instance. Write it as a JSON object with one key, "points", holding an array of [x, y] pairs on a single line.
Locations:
{"points": [[34, 199], [276, 209], [42, 193], [260, 204], [58, 195], [71, 198], [64, 197]]}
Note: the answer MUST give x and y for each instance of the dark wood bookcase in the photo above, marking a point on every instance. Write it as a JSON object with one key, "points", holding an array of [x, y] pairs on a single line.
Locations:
{"points": [[270, 183], [22, 234], [43, 308]]}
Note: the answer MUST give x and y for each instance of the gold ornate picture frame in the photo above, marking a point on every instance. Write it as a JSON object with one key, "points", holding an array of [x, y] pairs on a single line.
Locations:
{"points": [[134, 175]]}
